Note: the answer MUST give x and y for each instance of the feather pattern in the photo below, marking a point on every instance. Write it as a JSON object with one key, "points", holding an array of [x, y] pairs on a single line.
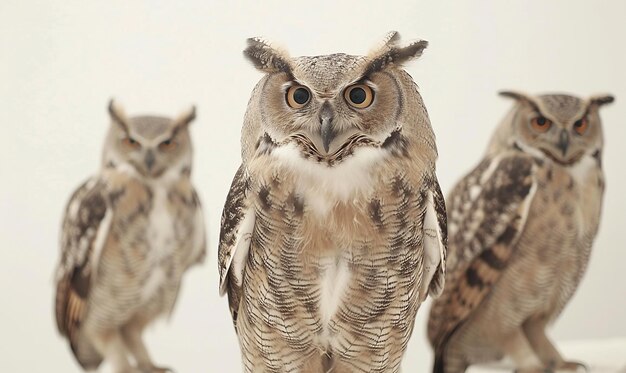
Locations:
{"points": [[436, 243], [79, 251], [481, 245], [292, 252], [123, 256]]}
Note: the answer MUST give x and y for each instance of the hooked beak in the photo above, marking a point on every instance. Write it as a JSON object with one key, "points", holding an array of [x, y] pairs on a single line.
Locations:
{"points": [[563, 142], [149, 160], [327, 131]]}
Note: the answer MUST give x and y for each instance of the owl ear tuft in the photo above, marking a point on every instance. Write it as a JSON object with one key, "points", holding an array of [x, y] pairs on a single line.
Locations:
{"points": [[516, 95], [520, 97], [600, 100], [186, 117], [389, 53], [117, 114], [267, 58]]}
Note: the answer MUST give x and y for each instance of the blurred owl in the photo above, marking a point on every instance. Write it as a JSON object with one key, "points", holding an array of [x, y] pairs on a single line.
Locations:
{"points": [[334, 229], [129, 234], [521, 226]]}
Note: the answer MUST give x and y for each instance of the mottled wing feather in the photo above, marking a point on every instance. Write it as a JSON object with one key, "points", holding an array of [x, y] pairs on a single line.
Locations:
{"points": [[435, 242], [82, 226], [236, 229], [488, 210]]}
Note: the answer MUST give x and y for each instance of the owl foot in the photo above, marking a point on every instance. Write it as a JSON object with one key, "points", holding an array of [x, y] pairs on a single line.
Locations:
{"points": [[566, 366], [573, 366], [533, 370], [155, 369], [130, 370]]}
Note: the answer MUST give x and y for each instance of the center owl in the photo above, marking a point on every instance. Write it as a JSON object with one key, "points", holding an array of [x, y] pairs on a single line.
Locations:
{"points": [[334, 228]]}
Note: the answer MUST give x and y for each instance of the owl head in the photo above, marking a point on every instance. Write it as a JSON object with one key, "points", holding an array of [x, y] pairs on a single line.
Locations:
{"points": [[150, 145], [327, 107], [560, 127]]}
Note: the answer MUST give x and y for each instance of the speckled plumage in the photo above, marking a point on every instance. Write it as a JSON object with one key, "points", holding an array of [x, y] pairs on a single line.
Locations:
{"points": [[521, 227], [326, 255], [129, 233]]}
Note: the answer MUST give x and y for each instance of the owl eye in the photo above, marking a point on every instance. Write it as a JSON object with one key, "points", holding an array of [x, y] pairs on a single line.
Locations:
{"points": [[359, 96], [166, 145], [541, 124], [580, 126], [298, 96], [130, 142]]}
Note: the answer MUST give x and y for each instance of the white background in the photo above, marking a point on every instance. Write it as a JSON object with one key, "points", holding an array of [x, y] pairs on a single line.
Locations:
{"points": [[61, 62]]}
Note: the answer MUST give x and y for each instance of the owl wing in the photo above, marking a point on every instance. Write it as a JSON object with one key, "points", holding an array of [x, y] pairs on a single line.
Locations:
{"points": [[235, 234], [199, 239], [85, 228], [435, 243], [487, 213]]}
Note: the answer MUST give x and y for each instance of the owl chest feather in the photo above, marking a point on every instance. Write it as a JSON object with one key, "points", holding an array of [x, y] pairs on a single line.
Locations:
{"points": [[552, 252], [137, 263], [334, 279], [161, 240], [569, 200], [335, 262], [555, 247], [160, 230]]}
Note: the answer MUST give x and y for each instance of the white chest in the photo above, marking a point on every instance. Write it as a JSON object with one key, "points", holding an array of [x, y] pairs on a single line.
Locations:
{"points": [[334, 279], [583, 170], [589, 180], [161, 243], [160, 232], [322, 185]]}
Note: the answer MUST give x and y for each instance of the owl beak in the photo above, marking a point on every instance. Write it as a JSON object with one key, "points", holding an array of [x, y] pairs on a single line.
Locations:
{"points": [[149, 160], [563, 141], [327, 131]]}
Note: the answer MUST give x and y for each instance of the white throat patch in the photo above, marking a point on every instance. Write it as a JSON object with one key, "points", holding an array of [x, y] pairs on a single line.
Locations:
{"points": [[325, 185]]}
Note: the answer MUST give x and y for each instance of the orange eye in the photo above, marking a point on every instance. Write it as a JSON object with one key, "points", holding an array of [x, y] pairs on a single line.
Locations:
{"points": [[359, 96], [298, 96], [131, 143], [580, 126], [541, 124], [167, 145]]}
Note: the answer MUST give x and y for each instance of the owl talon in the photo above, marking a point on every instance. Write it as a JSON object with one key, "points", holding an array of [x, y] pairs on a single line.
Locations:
{"points": [[154, 369], [162, 370], [130, 370], [534, 370], [145, 368], [573, 366]]}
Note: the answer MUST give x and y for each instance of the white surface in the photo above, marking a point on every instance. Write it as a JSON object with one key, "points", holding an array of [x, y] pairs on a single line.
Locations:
{"points": [[600, 356], [61, 61]]}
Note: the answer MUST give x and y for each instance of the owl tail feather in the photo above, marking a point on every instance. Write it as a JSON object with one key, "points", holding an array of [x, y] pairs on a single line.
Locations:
{"points": [[442, 366], [438, 364]]}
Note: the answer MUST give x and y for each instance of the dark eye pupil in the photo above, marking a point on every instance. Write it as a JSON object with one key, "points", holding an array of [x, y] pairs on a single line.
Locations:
{"points": [[578, 123], [132, 141], [541, 121], [301, 96], [358, 95], [167, 142]]}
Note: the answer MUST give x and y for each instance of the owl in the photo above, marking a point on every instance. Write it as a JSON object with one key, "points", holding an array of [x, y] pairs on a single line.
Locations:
{"points": [[334, 228], [521, 227], [128, 236]]}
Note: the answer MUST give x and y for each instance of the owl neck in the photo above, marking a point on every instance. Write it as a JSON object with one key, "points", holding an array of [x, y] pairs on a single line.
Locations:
{"points": [[171, 175]]}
